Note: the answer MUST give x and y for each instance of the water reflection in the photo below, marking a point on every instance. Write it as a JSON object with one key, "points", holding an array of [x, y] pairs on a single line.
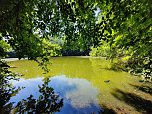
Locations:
{"points": [[79, 95]]}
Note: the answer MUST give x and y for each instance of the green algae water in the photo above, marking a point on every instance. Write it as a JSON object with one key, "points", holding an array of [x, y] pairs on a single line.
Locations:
{"points": [[86, 85]]}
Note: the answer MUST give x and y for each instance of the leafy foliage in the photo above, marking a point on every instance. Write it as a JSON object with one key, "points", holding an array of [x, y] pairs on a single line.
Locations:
{"points": [[73, 20], [103, 50], [27, 25], [126, 25], [4, 48]]}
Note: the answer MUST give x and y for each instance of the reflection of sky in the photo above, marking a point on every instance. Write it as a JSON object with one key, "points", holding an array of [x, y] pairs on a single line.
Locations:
{"points": [[80, 97]]}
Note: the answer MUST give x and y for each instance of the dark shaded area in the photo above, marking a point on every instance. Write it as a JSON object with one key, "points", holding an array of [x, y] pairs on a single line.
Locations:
{"points": [[11, 54], [108, 110], [143, 88], [140, 104], [75, 52]]}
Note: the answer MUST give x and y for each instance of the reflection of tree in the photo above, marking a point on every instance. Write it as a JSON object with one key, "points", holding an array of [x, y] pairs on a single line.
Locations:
{"points": [[48, 101], [7, 90]]}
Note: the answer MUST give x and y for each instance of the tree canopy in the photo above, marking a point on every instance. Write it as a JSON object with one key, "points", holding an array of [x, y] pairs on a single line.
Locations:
{"points": [[125, 25], [121, 28]]}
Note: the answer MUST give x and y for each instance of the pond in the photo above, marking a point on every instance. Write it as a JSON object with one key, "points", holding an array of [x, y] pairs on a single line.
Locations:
{"points": [[86, 84]]}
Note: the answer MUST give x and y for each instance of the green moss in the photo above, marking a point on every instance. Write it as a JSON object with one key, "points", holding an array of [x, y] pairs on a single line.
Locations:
{"points": [[95, 70]]}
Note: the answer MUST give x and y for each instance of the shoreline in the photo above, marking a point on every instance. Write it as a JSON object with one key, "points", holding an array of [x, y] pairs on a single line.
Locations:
{"points": [[15, 59]]}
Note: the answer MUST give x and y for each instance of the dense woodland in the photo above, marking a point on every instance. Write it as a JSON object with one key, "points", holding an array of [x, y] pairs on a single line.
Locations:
{"points": [[120, 30]]}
